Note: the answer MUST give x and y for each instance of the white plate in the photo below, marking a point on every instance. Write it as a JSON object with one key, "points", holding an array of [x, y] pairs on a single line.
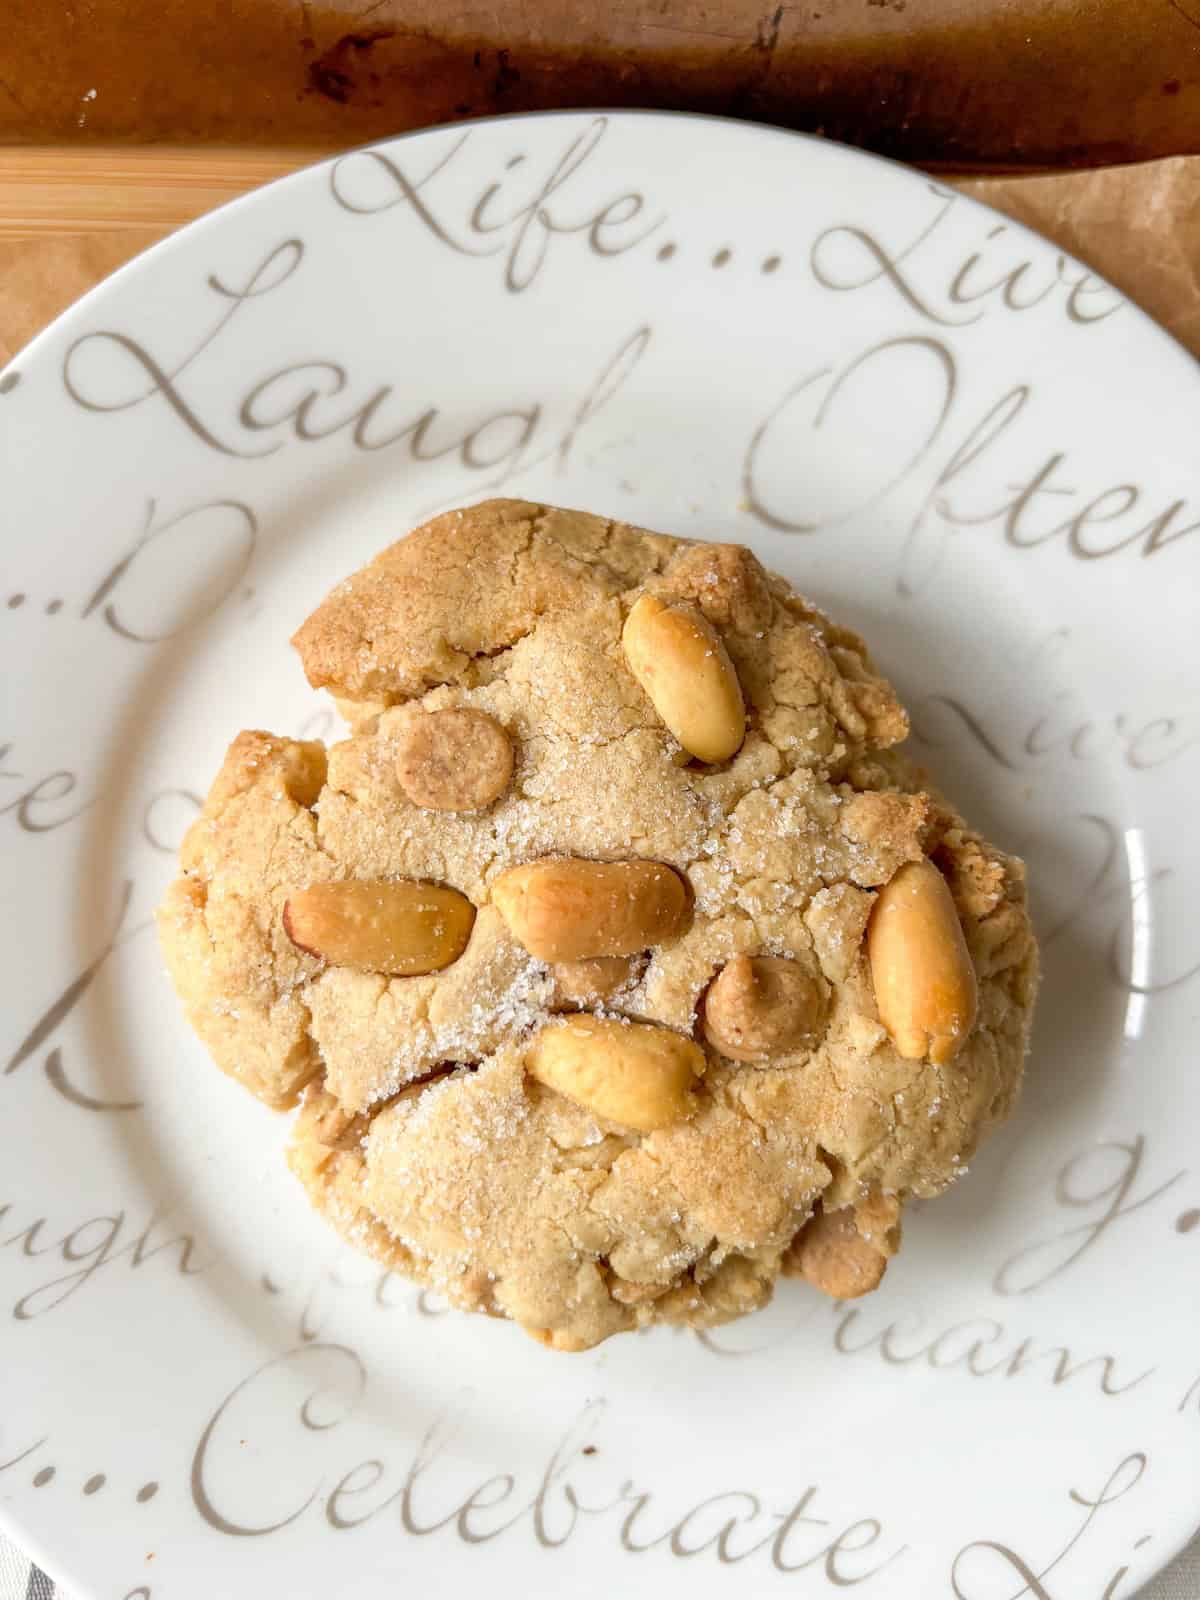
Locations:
{"points": [[933, 423]]}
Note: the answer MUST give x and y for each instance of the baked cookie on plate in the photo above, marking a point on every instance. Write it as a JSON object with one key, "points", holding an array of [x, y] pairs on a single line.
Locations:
{"points": [[617, 959]]}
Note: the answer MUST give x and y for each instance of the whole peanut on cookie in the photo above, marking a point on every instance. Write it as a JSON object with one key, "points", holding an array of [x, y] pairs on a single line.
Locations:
{"points": [[678, 658], [925, 984]]}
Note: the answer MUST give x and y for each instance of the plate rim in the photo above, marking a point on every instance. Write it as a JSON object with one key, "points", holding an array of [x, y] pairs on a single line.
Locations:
{"points": [[748, 127]]}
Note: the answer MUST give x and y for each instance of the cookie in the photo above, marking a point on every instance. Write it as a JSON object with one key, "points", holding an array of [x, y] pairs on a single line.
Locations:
{"points": [[618, 960]]}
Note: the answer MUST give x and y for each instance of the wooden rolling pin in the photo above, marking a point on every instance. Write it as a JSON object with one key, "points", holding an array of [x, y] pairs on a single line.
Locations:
{"points": [[984, 83]]}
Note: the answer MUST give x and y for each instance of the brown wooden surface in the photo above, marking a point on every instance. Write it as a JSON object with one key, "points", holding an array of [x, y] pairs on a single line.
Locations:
{"points": [[60, 191], [1007, 82], [67, 219]]}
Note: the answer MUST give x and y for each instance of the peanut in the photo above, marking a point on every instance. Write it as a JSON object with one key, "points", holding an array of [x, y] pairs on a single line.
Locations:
{"points": [[395, 927], [761, 1006], [925, 985], [456, 759], [585, 982], [834, 1257], [631, 1073], [575, 910], [678, 658]]}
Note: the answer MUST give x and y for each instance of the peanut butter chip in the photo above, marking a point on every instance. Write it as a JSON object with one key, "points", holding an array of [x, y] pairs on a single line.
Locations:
{"points": [[831, 1253], [588, 982], [456, 759], [762, 1006]]}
